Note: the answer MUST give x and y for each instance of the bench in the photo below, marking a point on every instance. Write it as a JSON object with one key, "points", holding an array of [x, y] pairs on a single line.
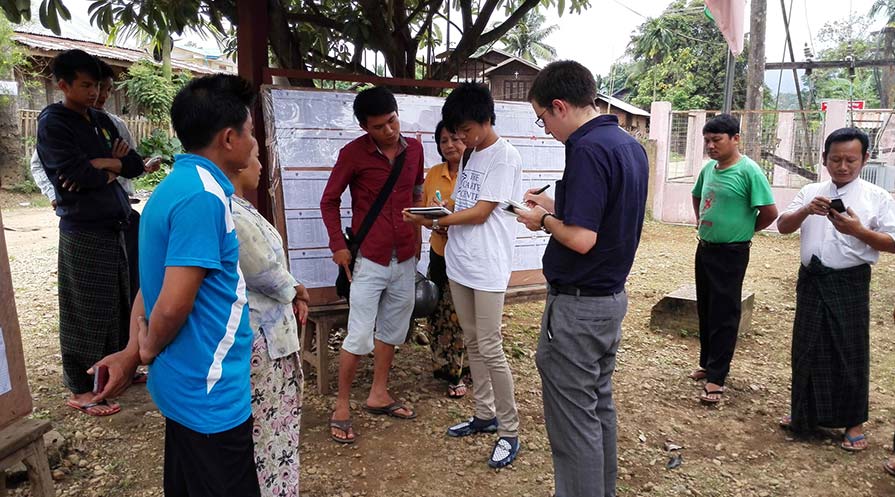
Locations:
{"points": [[23, 441], [322, 319]]}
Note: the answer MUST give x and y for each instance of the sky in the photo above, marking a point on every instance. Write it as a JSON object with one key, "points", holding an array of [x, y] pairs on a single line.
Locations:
{"points": [[599, 35]]}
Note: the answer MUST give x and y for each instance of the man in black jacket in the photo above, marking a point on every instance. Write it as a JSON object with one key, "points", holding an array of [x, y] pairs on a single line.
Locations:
{"points": [[82, 154]]}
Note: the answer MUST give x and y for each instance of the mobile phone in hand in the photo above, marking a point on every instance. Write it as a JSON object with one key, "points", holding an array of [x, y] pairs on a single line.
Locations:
{"points": [[837, 205], [100, 378]]}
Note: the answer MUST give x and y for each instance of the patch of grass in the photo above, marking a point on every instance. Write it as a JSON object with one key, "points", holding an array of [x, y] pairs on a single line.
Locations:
{"points": [[688, 333], [40, 414]]}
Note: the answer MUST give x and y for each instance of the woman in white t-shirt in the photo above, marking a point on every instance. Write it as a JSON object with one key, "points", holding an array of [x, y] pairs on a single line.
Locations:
{"points": [[479, 256]]}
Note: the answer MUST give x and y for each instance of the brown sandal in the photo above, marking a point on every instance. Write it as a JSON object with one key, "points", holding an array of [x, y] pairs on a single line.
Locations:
{"points": [[345, 426], [698, 374], [888, 466], [704, 397]]}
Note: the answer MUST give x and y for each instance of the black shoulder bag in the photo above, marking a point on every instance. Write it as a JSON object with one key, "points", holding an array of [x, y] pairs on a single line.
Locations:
{"points": [[343, 286]]}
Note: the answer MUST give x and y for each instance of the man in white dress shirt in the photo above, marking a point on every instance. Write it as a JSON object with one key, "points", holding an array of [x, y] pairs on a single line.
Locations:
{"points": [[846, 222]]}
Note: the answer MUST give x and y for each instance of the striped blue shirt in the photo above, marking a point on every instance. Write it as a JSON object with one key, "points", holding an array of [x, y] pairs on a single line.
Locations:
{"points": [[201, 379]]}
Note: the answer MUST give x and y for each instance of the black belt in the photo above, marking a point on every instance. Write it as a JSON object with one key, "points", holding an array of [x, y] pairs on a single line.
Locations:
{"points": [[578, 292], [703, 243]]}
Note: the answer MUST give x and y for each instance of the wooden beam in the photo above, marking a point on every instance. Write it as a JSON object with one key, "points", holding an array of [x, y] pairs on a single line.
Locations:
{"points": [[357, 78], [829, 64], [251, 42]]}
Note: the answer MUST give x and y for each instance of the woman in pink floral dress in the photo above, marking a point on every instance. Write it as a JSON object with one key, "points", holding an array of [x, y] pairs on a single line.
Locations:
{"points": [[275, 299]]}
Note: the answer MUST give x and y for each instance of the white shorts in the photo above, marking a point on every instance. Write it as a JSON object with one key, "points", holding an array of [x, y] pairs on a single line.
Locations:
{"points": [[381, 303]]}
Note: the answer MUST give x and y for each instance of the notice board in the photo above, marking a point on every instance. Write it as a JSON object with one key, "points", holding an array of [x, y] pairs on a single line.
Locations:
{"points": [[15, 397], [306, 128]]}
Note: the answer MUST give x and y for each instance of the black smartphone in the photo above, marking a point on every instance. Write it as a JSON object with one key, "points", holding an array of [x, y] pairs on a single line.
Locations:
{"points": [[837, 205]]}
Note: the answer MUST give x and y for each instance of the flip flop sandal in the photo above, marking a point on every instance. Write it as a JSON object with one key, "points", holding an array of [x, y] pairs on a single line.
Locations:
{"points": [[785, 422], [698, 374], [391, 410], [85, 408], [345, 426], [705, 396], [888, 467], [851, 443], [454, 391]]}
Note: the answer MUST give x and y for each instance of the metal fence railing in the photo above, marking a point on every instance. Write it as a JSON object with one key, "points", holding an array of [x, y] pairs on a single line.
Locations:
{"points": [[786, 139]]}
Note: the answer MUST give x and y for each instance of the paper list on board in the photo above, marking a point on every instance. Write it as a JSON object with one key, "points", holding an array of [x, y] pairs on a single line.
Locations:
{"points": [[5, 383]]}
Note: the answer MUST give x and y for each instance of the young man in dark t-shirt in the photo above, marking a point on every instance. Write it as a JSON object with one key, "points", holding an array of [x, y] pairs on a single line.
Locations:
{"points": [[82, 155], [595, 222]]}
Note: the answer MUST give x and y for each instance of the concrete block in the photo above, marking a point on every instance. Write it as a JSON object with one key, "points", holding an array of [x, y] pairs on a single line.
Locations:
{"points": [[677, 311]]}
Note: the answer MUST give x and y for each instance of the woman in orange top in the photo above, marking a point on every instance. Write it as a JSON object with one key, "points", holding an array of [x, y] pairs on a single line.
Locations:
{"points": [[445, 334]]}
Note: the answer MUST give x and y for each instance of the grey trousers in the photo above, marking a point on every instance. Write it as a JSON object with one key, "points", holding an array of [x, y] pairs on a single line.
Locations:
{"points": [[576, 358]]}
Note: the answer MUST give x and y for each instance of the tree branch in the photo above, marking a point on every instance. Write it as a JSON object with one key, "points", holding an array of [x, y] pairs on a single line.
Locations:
{"points": [[502, 29], [427, 24], [422, 5], [452, 23], [317, 20], [338, 63], [466, 12]]}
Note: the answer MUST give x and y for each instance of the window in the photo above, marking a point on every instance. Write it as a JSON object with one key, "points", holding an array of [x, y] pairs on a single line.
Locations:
{"points": [[514, 89]]}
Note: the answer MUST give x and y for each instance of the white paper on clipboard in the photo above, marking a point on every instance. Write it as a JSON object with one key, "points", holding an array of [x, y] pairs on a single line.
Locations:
{"points": [[5, 383]]}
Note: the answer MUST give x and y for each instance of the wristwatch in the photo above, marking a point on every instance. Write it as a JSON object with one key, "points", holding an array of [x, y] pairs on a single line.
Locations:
{"points": [[544, 218], [435, 224]]}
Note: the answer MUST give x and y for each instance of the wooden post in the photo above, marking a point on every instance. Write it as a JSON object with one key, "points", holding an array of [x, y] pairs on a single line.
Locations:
{"points": [[251, 40], [755, 77]]}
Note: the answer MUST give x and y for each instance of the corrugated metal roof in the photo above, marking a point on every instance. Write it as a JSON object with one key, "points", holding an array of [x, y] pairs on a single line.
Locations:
{"points": [[621, 104], [510, 61], [53, 45]]}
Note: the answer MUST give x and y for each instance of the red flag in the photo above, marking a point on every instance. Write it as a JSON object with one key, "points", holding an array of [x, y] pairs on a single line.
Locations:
{"points": [[729, 16]]}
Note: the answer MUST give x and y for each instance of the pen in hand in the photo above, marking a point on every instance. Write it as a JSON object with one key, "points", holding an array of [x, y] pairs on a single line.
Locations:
{"points": [[438, 196], [542, 189]]}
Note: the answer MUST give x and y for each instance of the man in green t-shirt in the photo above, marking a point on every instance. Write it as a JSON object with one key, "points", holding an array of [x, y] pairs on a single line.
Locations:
{"points": [[732, 200]]}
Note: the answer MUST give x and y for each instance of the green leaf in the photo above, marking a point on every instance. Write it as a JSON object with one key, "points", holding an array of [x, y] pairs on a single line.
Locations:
{"points": [[63, 11], [42, 13]]}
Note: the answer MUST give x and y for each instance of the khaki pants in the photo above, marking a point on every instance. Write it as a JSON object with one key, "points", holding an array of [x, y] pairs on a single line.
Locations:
{"points": [[480, 314]]}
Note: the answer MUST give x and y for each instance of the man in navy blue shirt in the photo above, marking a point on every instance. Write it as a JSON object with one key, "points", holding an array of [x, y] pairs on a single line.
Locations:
{"points": [[595, 222]]}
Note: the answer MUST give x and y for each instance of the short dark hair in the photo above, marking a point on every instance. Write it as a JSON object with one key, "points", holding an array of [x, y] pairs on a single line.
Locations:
{"points": [[468, 102], [722, 123], [564, 80], [376, 101], [209, 104], [438, 129], [68, 64], [105, 70], [847, 135]]}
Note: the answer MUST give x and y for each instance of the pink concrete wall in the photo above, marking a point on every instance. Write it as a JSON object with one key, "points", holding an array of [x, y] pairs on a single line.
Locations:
{"points": [[677, 206]]}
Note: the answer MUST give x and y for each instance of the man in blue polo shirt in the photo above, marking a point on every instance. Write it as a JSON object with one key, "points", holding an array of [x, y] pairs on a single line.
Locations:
{"points": [[595, 223], [198, 339]]}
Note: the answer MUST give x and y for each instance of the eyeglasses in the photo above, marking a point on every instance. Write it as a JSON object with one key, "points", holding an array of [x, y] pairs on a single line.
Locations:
{"points": [[539, 122]]}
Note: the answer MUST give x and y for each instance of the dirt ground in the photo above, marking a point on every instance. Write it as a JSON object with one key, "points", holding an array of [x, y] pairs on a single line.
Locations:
{"points": [[734, 449]]}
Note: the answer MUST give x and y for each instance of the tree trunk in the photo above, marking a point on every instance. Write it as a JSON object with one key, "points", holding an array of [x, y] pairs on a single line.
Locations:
{"points": [[283, 44], [887, 73], [166, 57], [755, 78]]}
